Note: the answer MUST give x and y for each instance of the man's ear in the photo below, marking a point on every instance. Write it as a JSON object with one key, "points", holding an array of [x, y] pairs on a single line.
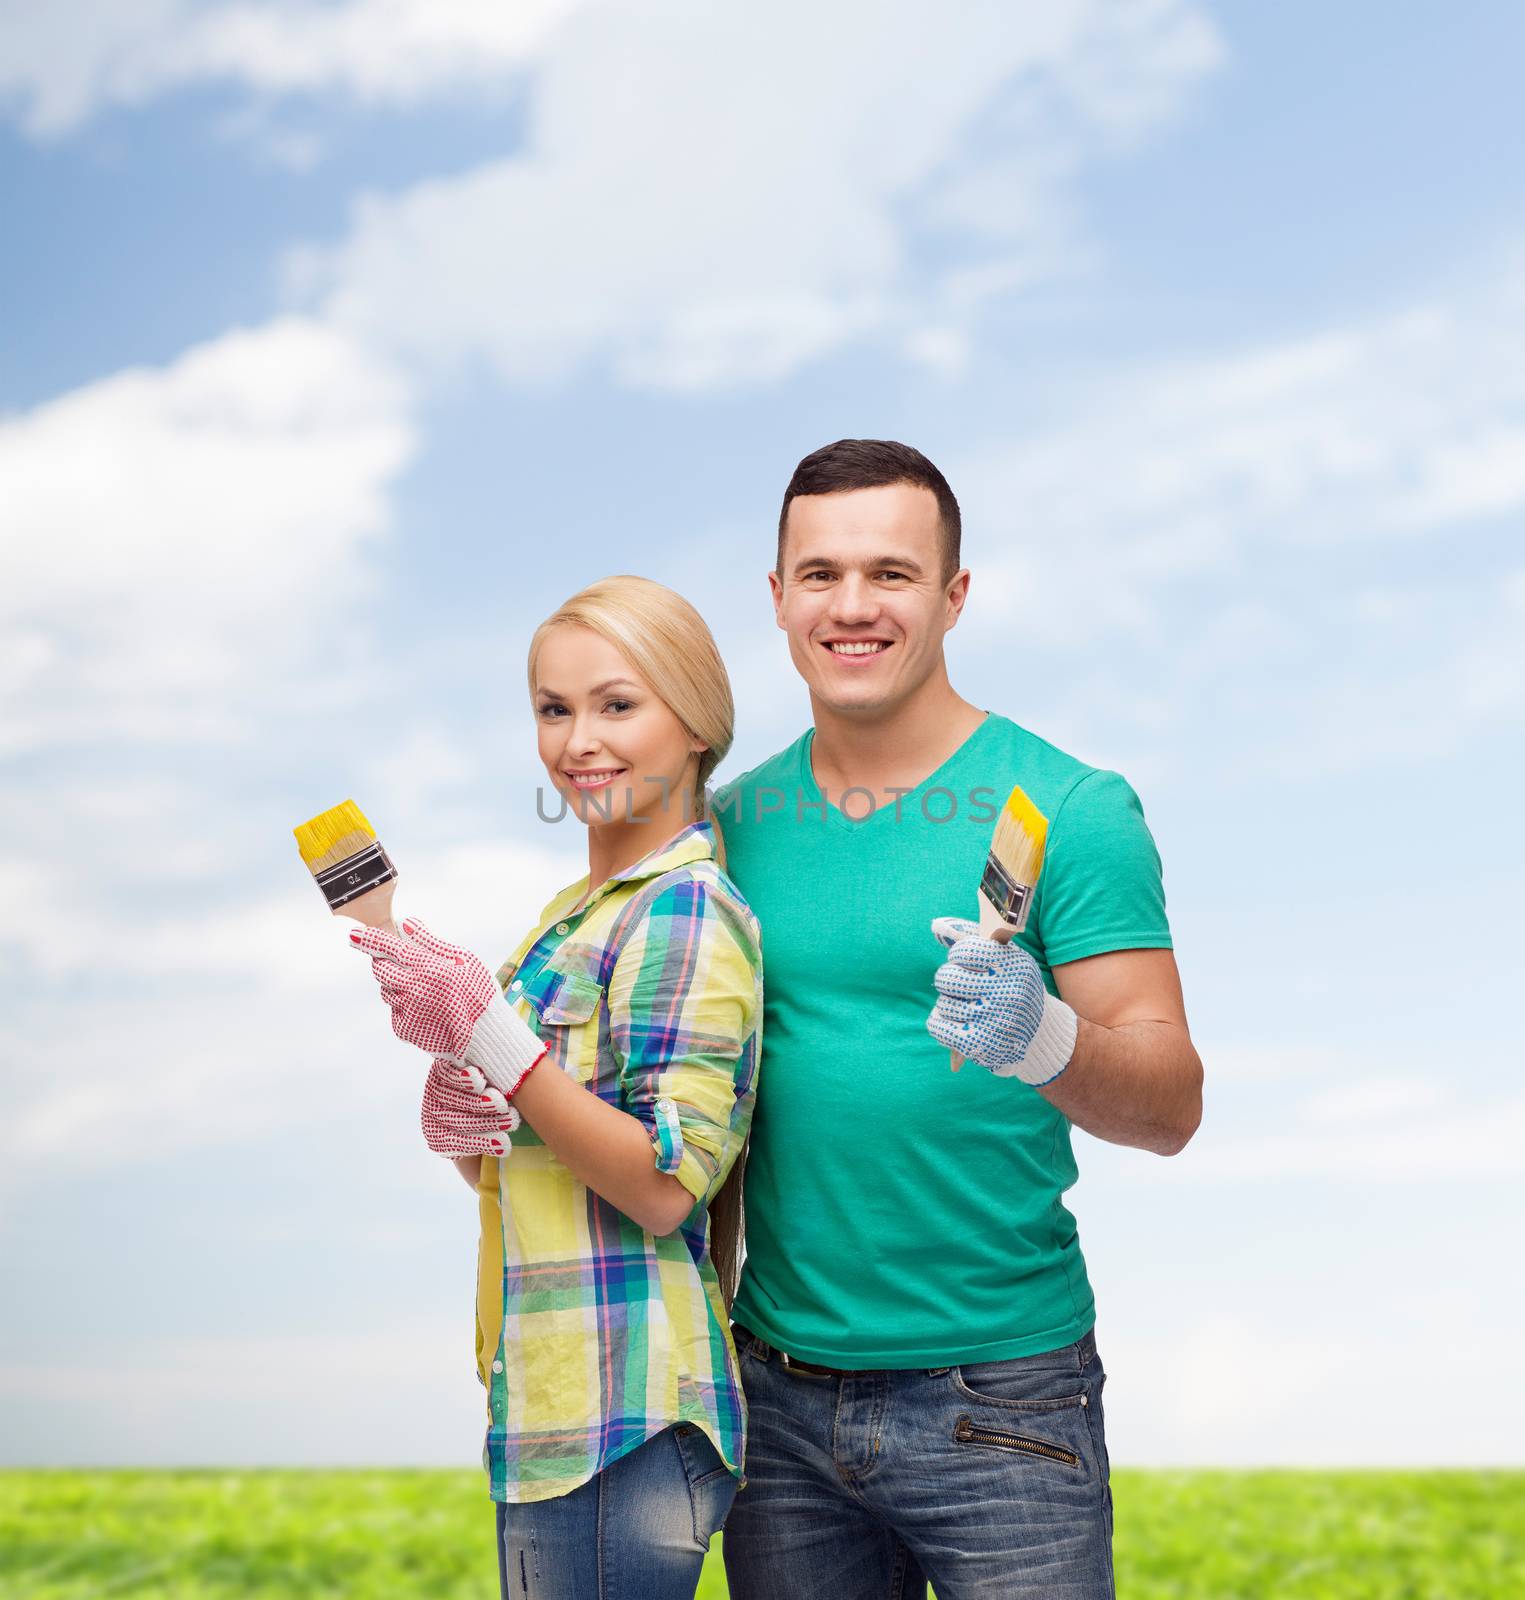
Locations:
{"points": [[776, 589], [956, 594]]}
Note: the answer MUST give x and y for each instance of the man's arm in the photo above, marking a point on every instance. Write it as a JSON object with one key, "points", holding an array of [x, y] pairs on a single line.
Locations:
{"points": [[1135, 1077]]}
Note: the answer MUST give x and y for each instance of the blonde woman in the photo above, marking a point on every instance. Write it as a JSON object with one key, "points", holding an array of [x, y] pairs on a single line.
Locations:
{"points": [[599, 1105]]}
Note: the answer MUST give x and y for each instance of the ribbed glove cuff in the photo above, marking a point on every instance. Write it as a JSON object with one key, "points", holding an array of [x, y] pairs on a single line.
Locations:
{"points": [[1050, 1050], [503, 1047]]}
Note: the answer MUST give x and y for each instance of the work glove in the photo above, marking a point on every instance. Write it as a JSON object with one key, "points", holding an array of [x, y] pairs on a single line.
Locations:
{"points": [[444, 1001], [992, 1007], [462, 1114]]}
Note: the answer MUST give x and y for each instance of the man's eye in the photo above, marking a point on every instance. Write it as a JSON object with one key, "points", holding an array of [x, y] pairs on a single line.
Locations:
{"points": [[892, 574]]}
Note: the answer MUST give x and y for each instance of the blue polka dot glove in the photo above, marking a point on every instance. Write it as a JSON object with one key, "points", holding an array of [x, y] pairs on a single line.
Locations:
{"points": [[993, 1008]]}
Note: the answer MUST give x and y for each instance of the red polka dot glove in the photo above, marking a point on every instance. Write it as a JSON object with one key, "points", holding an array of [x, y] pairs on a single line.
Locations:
{"points": [[444, 1000], [463, 1115]]}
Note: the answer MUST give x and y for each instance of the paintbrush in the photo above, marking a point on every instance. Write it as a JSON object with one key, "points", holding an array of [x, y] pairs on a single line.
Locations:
{"points": [[354, 873], [1011, 871]]}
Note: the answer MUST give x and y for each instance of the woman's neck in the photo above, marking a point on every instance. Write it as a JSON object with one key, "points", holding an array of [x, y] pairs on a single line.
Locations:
{"points": [[615, 847]]}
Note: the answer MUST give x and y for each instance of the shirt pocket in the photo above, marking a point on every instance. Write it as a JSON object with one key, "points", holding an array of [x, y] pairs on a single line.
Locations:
{"points": [[566, 1000]]}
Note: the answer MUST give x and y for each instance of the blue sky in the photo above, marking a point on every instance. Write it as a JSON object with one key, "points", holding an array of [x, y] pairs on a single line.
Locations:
{"points": [[343, 341]]}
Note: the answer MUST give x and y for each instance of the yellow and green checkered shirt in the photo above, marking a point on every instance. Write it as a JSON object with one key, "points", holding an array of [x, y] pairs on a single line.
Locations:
{"points": [[593, 1334]]}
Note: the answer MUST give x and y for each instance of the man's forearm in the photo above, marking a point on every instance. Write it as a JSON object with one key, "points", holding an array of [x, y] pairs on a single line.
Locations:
{"points": [[1139, 1084]]}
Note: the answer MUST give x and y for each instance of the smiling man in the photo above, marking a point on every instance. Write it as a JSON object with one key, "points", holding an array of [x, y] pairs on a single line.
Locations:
{"points": [[914, 1321]]}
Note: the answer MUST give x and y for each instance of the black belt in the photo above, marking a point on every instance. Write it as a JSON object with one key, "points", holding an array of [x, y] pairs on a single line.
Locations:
{"points": [[814, 1369]]}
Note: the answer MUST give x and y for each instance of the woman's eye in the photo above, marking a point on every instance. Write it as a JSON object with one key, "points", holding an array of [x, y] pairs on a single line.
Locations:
{"points": [[620, 705], [551, 710]]}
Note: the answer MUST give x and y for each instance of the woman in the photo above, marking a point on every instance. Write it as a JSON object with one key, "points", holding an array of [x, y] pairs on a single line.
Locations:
{"points": [[601, 1114]]}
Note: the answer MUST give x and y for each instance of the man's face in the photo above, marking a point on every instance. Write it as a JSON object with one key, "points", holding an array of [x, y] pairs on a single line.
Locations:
{"points": [[863, 598]]}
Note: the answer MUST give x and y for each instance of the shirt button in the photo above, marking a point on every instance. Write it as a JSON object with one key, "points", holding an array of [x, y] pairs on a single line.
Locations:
{"points": [[497, 1366], [563, 927]]}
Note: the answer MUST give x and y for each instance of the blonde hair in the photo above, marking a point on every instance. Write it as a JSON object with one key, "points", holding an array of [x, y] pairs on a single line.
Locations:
{"points": [[667, 642]]}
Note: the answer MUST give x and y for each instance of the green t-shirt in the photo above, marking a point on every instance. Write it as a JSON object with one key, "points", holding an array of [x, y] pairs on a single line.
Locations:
{"points": [[900, 1214]]}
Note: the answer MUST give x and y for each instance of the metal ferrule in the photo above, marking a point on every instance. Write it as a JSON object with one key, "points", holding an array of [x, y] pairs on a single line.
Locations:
{"points": [[356, 875]]}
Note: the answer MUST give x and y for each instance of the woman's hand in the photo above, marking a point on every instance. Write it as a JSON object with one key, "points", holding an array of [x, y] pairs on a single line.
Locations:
{"points": [[462, 1115], [437, 992], [444, 1001]]}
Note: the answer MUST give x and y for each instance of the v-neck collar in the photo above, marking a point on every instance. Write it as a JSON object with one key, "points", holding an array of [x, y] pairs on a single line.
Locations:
{"points": [[812, 790]]}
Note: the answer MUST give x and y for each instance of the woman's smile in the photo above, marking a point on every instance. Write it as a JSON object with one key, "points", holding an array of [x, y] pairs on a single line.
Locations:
{"points": [[594, 777]]}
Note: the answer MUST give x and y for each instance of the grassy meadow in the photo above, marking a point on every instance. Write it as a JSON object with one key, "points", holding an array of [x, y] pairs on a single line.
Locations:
{"points": [[285, 1535]]}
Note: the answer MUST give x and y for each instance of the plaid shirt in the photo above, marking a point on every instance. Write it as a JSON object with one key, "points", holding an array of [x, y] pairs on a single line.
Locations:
{"points": [[592, 1334]]}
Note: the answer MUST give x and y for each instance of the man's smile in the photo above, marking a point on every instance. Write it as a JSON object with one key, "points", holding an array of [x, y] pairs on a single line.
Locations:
{"points": [[856, 649]]}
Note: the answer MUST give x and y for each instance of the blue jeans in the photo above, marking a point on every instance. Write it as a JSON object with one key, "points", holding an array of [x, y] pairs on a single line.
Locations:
{"points": [[989, 1480], [639, 1530]]}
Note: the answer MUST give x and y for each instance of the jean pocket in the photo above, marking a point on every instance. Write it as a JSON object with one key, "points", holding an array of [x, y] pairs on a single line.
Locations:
{"points": [[1021, 1384], [711, 1483], [967, 1431]]}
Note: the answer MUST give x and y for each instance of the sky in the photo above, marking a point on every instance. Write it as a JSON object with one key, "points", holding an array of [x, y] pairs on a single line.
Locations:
{"points": [[342, 341]]}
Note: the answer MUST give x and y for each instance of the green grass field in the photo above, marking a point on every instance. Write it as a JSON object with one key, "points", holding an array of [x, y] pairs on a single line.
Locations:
{"points": [[1214, 1535]]}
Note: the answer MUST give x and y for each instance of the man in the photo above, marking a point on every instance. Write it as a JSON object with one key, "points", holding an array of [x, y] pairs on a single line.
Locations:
{"points": [[914, 1321]]}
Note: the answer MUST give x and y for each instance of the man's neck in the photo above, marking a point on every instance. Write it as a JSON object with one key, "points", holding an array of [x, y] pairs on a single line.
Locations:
{"points": [[896, 750]]}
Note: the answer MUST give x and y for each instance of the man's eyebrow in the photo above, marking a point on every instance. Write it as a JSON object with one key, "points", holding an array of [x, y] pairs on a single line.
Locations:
{"points": [[601, 688], [902, 563]]}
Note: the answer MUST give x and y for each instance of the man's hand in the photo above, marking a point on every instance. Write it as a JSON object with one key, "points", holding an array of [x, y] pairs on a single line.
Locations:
{"points": [[992, 1007], [444, 1001]]}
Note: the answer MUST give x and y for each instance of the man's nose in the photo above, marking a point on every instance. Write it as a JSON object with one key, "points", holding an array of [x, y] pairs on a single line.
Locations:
{"points": [[853, 600]]}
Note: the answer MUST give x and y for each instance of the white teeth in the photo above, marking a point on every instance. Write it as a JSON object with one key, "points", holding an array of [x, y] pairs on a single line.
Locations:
{"points": [[857, 649], [584, 779]]}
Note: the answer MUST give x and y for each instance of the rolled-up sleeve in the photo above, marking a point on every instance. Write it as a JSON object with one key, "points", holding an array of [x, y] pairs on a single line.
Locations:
{"points": [[685, 1011]]}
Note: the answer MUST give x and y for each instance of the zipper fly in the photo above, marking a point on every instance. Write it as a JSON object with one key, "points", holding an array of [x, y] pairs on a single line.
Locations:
{"points": [[966, 1433]]}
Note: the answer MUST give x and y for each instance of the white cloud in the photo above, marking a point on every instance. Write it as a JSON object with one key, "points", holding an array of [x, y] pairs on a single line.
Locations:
{"points": [[1369, 1099], [1256, 543], [1269, 1381], [1245, 1063], [681, 220], [1445, 665], [406, 1393], [1368, 1133], [1482, 1141], [66, 61], [178, 539], [1388, 430], [743, 221], [217, 1012]]}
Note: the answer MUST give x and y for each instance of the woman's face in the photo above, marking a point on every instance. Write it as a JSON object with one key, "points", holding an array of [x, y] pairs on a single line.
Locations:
{"points": [[610, 745]]}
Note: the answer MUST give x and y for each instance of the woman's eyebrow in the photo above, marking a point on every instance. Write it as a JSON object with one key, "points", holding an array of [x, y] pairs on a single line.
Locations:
{"points": [[601, 688]]}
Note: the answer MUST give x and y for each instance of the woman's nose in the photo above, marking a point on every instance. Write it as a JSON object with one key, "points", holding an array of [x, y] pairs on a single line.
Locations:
{"points": [[583, 736]]}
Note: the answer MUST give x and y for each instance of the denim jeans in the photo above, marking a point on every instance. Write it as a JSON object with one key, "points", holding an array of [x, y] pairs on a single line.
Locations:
{"points": [[989, 1480], [639, 1530]]}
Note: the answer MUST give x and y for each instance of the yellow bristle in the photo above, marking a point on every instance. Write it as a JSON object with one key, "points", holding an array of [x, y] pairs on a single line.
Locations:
{"points": [[334, 836], [1020, 836]]}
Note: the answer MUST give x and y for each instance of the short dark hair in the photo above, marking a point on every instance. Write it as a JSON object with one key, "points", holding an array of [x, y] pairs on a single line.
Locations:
{"points": [[870, 464]]}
